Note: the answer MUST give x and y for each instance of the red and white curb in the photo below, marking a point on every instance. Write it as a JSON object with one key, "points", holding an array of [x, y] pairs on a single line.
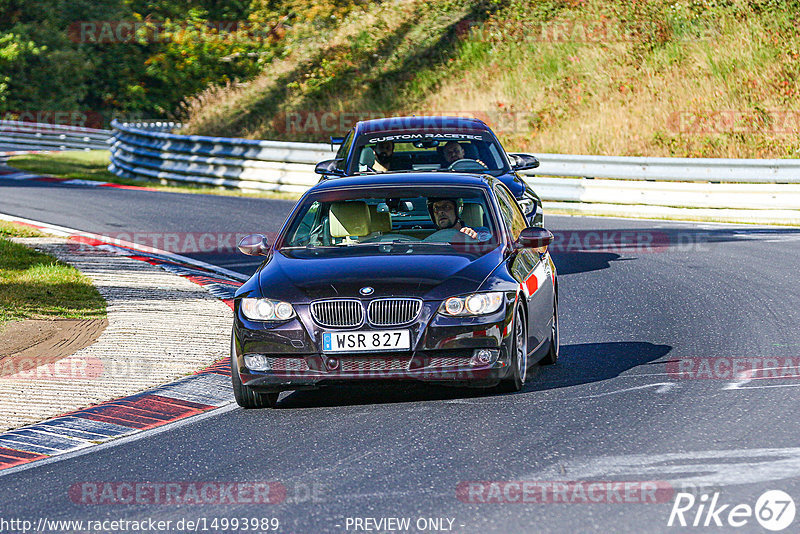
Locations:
{"points": [[207, 390], [10, 173]]}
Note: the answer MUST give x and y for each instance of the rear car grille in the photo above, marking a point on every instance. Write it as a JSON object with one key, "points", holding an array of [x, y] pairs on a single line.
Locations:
{"points": [[338, 313], [391, 312], [373, 363]]}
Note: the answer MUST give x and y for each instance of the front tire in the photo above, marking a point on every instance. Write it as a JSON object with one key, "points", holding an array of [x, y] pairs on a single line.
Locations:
{"points": [[519, 357], [245, 396], [552, 353]]}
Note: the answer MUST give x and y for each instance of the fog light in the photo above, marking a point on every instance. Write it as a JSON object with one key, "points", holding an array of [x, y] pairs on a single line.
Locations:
{"points": [[332, 363], [257, 362], [484, 356]]}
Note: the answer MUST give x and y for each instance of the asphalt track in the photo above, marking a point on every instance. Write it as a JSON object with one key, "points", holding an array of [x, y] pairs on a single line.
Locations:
{"points": [[613, 409]]}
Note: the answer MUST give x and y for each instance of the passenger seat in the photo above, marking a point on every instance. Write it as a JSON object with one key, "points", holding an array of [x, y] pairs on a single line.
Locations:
{"points": [[379, 221], [349, 219], [472, 215]]}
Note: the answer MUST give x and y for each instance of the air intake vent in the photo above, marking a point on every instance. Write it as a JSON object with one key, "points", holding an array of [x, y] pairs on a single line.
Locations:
{"points": [[358, 364]]}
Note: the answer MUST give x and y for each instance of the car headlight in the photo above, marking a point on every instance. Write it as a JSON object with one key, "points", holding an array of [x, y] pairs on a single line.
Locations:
{"points": [[527, 203], [475, 304], [266, 309]]}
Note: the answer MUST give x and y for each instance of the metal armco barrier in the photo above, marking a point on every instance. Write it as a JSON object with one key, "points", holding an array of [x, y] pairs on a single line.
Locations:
{"points": [[672, 194], [22, 136], [672, 169], [140, 151]]}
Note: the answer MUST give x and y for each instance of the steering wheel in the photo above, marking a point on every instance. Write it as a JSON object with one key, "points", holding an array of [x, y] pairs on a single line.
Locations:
{"points": [[400, 238], [448, 235], [467, 164]]}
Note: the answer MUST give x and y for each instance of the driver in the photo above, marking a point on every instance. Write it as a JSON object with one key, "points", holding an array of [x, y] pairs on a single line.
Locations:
{"points": [[446, 213], [383, 156], [453, 151]]}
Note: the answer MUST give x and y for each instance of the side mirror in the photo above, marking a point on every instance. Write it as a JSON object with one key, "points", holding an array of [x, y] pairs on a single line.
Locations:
{"points": [[524, 162], [535, 237], [328, 167], [335, 141], [254, 245]]}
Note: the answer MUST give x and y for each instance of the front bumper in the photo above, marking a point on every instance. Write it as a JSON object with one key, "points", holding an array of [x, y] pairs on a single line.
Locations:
{"points": [[442, 349], [317, 370]]}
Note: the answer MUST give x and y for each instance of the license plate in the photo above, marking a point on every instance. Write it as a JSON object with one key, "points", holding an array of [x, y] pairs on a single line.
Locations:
{"points": [[366, 341]]}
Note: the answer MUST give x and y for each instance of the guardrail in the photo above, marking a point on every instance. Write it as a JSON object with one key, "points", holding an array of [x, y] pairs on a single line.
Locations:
{"points": [[31, 136], [672, 169], [137, 151]]}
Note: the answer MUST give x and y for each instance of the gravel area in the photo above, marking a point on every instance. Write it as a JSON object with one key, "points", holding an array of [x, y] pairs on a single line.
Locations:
{"points": [[160, 327]]}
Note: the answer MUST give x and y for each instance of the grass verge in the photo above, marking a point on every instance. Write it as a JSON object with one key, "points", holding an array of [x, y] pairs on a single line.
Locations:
{"points": [[34, 285], [92, 165]]}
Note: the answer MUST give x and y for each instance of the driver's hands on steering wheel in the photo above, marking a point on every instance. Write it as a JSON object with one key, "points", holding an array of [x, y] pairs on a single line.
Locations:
{"points": [[460, 163], [469, 231]]}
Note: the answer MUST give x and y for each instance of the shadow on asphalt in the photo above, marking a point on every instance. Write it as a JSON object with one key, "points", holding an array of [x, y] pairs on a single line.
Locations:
{"points": [[580, 251], [376, 393], [578, 364], [584, 363], [583, 262]]}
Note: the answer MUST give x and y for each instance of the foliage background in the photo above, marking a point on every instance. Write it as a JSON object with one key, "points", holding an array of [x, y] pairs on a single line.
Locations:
{"points": [[46, 66], [698, 78]]}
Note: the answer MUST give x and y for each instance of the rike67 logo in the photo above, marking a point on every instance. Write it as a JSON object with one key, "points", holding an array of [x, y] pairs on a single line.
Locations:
{"points": [[774, 510]]}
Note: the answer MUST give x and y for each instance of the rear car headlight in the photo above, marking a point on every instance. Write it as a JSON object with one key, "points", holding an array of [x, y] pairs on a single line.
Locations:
{"points": [[266, 309], [475, 304]]}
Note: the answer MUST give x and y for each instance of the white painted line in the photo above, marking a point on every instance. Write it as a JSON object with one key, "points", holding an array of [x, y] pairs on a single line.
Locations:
{"points": [[19, 176], [78, 181], [663, 387], [128, 438], [666, 222], [67, 232], [700, 468], [738, 386]]}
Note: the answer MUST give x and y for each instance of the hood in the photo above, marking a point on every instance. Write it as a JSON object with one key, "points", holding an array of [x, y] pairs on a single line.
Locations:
{"points": [[299, 275]]}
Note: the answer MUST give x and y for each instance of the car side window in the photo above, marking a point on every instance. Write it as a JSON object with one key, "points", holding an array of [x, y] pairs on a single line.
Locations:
{"points": [[497, 161], [341, 154], [310, 230], [512, 215]]}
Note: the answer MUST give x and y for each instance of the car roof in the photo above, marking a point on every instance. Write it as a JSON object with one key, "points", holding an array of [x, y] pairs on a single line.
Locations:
{"points": [[421, 122], [404, 178]]}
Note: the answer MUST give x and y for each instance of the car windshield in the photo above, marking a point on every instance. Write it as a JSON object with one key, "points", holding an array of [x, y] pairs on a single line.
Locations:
{"points": [[428, 151], [404, 220]]}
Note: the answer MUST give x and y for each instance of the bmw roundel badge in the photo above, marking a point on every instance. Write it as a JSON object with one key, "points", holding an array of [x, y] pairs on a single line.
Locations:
{"points": [[366, 290]]}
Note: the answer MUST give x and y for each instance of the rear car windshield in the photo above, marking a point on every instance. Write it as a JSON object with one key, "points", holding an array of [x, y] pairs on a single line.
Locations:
{"points": [[392, 151]]}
